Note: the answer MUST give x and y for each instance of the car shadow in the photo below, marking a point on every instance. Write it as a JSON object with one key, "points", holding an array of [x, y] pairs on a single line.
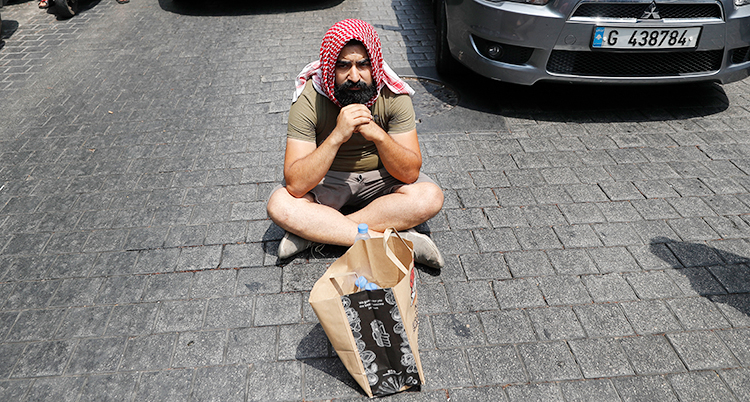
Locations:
{"points": [[482, 101], [721, 275], [13, 2], [228, 7], [556, 102]]}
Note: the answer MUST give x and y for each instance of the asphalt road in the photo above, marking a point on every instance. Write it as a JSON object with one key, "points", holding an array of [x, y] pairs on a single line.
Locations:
{"points": [[596, 238]]}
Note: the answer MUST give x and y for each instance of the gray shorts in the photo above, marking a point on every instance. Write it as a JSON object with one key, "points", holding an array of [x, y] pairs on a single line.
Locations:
{"points": [[347, 189]]}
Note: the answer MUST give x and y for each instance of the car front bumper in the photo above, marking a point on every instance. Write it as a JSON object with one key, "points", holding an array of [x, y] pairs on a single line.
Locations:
{"points": [[550, 43]]}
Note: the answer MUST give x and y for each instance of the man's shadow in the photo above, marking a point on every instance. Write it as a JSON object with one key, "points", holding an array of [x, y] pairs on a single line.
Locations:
{"points": [[720, 275]]}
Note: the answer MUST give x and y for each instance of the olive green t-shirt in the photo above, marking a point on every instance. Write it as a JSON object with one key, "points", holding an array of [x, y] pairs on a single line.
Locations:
{"points": [[313, 116]]}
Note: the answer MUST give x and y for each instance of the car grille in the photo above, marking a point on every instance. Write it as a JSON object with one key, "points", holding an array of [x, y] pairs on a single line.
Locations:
{"points": [[619, 10], [600, 64], [741, 55]]}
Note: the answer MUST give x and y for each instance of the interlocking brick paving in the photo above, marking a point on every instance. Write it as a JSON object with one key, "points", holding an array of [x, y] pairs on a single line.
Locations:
{"points": [[596, 238]]}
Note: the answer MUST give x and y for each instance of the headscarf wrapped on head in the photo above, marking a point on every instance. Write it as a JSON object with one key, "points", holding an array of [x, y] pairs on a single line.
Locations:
{"points": [[323, 71]]}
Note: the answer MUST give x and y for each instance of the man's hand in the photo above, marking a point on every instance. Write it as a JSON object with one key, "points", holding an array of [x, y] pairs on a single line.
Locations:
{"points": [[399, 153], [351, 119], [371, 131]]}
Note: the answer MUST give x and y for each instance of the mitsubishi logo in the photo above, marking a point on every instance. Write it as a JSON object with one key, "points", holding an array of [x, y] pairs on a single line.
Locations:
{"points": [[651, 12]]}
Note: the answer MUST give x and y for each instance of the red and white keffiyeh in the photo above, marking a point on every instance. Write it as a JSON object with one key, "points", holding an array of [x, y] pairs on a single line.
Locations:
{"points": [[323, 72]]}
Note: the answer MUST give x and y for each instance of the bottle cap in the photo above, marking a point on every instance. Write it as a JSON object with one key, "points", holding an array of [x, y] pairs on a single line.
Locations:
{"points": [[362, 228]]}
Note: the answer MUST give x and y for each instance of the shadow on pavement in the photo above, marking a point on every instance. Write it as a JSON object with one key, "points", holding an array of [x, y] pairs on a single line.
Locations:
{"points": [[81, 8], [7, 29], [331, 375], [720, 275], [481, 103], [326, 372], [86, 5], [314, 344], [557, 102], [229, 7], [12, 2]]}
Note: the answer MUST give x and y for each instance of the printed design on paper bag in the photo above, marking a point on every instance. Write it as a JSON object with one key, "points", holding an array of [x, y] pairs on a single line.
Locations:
{"points": [[391, 385], [367, 356], [354, 322], [379, 334], [389, 364], [407, 357]]}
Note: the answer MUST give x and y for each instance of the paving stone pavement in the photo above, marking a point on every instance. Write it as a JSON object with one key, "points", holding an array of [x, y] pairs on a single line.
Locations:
{"points": [[596, 238]]}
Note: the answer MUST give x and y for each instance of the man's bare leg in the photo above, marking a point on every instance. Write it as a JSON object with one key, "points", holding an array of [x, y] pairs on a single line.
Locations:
{"points": [[306, 218], [407, 207]]}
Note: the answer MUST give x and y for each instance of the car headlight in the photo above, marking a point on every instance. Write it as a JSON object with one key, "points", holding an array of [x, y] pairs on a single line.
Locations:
{"points": [[544, 2], [741, 2]]}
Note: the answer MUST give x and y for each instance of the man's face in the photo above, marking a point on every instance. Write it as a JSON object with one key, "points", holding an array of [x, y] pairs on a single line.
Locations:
{"points": [[354, 82], [353, 64]]}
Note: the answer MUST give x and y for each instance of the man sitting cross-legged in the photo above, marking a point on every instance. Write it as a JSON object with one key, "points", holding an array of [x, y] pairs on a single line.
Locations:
{"points": [[352, 142]]}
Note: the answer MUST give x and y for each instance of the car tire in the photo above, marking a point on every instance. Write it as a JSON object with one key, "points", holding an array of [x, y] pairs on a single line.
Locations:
{"points": [[66, 8], [444, 62]]}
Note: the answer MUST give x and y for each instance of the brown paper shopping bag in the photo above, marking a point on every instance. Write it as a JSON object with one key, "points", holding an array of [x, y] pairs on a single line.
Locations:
{"points": [[374, 332]]}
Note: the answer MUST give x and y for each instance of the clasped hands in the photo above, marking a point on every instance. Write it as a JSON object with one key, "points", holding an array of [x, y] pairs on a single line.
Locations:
{"points": [[357, 118]]}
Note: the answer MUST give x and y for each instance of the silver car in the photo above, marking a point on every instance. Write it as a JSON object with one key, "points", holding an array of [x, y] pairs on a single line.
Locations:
{"points": [[590, 41]]}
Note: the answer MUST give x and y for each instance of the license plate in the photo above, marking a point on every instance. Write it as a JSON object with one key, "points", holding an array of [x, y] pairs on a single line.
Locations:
{"points": [[645, 38]]}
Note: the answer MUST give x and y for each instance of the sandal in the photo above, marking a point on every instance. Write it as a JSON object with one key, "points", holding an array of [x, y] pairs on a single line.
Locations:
{"points": [[43, 4]]}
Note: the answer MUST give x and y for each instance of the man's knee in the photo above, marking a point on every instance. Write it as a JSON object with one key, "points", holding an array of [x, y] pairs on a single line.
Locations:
{"points": [[427, 197], [282, 206], [275, 205], [433, 196]]}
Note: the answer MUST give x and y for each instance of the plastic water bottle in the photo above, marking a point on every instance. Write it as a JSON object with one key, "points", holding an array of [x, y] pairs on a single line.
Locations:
{"points": [[363, 284], [362, 232]]}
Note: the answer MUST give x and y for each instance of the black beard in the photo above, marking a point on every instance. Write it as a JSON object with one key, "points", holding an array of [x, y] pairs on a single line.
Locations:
{"points": [[346, 96]]}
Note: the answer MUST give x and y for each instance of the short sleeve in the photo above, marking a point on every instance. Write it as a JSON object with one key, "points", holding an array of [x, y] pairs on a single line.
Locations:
{"points": [[401, 115], [302, 119]]}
